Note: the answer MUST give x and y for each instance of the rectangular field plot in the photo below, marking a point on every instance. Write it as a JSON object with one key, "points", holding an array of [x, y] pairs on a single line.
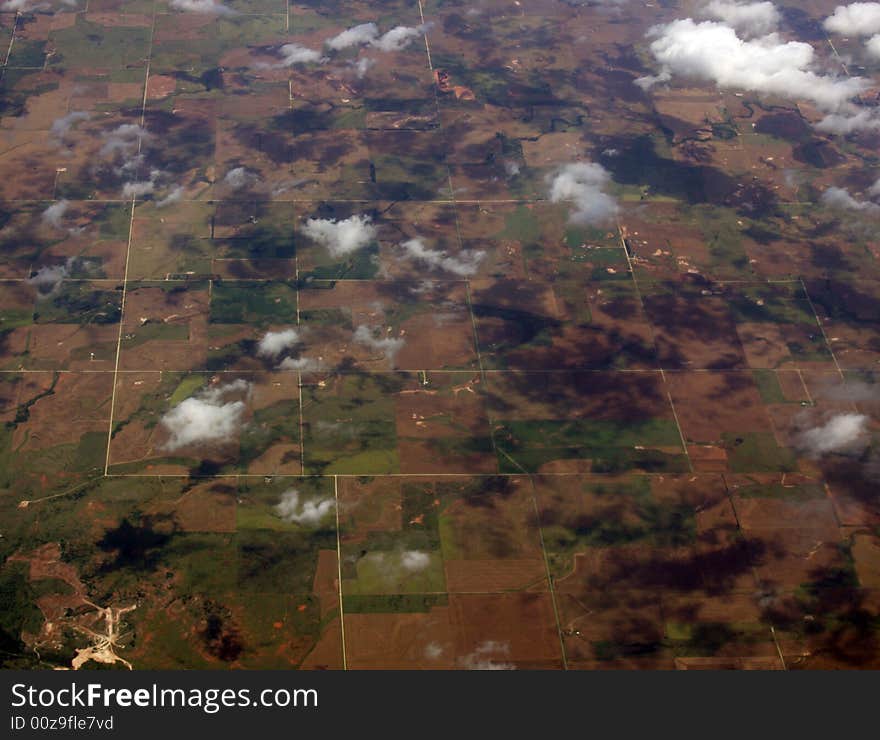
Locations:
{"points": [[582, 422]]}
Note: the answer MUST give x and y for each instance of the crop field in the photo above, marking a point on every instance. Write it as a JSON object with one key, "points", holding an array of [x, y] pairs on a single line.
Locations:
{"points": [[432, 334]]}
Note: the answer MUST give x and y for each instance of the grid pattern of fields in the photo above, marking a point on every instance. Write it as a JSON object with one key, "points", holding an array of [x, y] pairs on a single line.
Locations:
{"points": [[543, 445]]}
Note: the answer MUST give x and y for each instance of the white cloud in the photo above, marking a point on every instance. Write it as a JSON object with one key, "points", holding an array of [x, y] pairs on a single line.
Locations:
{"points": [[354, 36], [125, 138], [874, 190], [465, 264], [298, 54], [433, 650], [835, 197], [485, 657], [21, 5], [300, 364], [851, 391], [873, 46], [47, 279], [173, 197], [583, 184], [211, 7], [138, 189], [712, 51], [362, 66], [341, 237], [414, 561], [856, 19], [61, 126], [274, 343], [239, 177], [398, 38], [206, 417], [842, 433], [309, 513], [754, 19], [389, 347], [54, 213], [864, 119]]}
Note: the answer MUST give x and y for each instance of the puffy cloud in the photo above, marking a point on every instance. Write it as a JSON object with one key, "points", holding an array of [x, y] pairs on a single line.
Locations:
{"points": [[211, 7], [465, 264], [414, 561], [485, 657], [21, 6], [48, 278], [138, 188], [354, 36], [856, 19], [125, 138], [842, 433], [341, 237], [583, 184], [433, 651], [398, 38], [835, 197], [392, 566], [874, 190], [61, 126], [300, 364], [274, 343], [362, 66], [54, 213], [239, 177], [712, 51], [389, 347], [310, 513], [852, 391], [754, 19], [297, 54], [26, 6], [851, 122], [174, 196], [206, 417]]}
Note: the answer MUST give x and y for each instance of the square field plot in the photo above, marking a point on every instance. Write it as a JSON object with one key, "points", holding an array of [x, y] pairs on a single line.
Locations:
{"points": [[726, 423], [849, 312], [376, 326], [55, 433], [526, 325], [389, 423], [675, 533], [74, 325], [450, 535], [717, 327], [455, 631], [176, 422], [606, 422], [534, 241], [165, 326], [64, 239]]}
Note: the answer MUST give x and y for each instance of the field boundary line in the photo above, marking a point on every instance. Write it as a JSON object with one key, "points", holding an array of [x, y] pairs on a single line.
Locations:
{"points": [[339, 572], [128, 251]]}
